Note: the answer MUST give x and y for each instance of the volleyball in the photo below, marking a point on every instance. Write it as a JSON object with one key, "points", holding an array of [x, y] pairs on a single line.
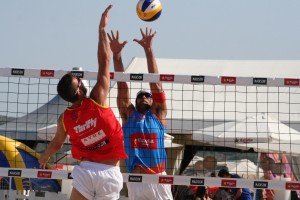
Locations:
{"points": [[148, 10]]}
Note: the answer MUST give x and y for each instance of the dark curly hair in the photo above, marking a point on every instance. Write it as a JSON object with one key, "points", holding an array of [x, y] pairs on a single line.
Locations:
{"points": [[65, 88]]}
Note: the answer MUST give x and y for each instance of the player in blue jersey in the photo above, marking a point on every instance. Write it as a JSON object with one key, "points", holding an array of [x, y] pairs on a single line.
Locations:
{"points": [[144, 123]]}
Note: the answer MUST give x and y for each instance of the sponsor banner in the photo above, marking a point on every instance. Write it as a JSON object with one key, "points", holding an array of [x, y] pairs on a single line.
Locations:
{"points": [[143, 141], [70, 175], [47, 73], [244, 140], [166, 180], [44, 174], [79, 74], [260, 81], [228, 183], [112, 75], [292, 186], [197, 181], [18, 72], [14, 172], [260, 184], [197, 79], [137, 77], [228, 80], [167, 77], [291, 82], [137, 179]]}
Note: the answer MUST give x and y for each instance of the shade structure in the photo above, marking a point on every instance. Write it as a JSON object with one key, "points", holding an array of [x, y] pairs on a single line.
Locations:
{"points": [[254, 129], [14, 154], [289, 147], [259, 132]]}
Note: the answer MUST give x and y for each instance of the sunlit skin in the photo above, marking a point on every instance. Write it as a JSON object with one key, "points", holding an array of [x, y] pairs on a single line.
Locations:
{"points": [[98, 94], [143, 104]]}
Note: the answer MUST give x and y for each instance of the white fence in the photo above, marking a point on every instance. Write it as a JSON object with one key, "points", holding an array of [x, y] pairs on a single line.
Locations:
{"points": [[31, 195]]}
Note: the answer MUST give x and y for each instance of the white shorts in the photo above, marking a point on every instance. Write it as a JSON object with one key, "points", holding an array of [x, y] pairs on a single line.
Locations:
{"points": [[97, 181], [143, 191]]}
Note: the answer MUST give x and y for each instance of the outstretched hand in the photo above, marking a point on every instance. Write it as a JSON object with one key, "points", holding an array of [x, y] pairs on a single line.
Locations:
{"points": [[115, 45], [104, 17], [147, 38]]}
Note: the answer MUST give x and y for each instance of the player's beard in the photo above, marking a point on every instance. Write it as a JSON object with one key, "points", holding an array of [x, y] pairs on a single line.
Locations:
{"points": [[143, 107]]}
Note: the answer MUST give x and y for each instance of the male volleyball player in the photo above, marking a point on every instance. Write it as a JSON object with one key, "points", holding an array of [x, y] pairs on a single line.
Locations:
{"points": [[144, 124], [95, 134]]}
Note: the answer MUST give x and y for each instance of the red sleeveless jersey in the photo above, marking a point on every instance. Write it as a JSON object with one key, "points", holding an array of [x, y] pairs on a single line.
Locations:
{"points": [[95, 133]]}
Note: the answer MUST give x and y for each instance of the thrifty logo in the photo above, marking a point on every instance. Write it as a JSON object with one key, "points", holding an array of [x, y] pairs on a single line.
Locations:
{"points": [[244, 140], [47, 73], [44, 174], [228, 80], [292, 186], [228, 183], [291, 82], [112, 75], [167, 77], [166, 180]]}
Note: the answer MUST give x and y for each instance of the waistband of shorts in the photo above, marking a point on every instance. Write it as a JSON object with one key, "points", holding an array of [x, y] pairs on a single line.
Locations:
{"points": [[99, 166]]}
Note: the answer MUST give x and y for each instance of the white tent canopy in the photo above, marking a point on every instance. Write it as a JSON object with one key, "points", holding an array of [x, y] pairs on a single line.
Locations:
{"points": [[260, 128], [194, 107], [261, 133], [25, 128], [182, 116], [242, 68]]}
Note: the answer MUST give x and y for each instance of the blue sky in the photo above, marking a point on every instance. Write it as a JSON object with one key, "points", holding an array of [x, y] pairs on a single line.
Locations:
{"points": [[61, 34]]}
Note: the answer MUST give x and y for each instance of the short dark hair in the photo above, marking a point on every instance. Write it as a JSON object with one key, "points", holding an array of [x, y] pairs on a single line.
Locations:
{"points": [[223, 172], [65, 88]]}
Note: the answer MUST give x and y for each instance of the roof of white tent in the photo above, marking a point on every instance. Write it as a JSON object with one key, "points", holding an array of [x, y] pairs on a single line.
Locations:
{"points": [[180, 115], [243, 68], [182, 102], [25, 128]]}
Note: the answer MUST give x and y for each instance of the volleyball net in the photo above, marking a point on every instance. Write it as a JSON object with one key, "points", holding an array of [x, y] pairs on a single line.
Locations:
{"points": [[247, 125]]}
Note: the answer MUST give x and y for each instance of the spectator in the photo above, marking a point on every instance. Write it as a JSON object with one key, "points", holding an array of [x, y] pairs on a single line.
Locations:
{"points": [[237, 193]]}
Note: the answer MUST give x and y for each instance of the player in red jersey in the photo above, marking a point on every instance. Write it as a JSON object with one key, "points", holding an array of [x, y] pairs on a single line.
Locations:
{"points": [[95, 134]]}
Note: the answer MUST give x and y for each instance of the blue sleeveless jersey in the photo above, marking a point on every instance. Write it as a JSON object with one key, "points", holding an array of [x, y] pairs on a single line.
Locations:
{"points": [[144, 141]]}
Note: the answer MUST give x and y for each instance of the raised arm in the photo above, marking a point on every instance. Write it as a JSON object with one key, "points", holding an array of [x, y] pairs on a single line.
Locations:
{"points": [[100, 90], [123, 98], [159, 106]]}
